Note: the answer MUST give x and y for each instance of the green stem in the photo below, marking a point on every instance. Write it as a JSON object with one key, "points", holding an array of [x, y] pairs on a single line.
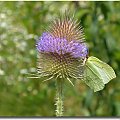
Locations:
{"points": [[59, 97]]}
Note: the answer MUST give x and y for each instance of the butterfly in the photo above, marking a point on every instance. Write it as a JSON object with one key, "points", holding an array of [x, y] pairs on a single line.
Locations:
{"points": [[97, 73]]}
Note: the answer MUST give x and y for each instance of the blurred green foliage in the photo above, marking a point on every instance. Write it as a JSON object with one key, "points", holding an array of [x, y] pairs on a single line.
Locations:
{"points": [[21, 23]]}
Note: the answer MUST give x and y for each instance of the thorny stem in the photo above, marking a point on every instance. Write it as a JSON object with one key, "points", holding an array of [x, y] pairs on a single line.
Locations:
{"points": [[59, 97]]}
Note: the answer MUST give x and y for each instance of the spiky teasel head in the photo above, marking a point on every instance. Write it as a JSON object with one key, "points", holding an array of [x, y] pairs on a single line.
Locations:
{"points": [[61, 50]]}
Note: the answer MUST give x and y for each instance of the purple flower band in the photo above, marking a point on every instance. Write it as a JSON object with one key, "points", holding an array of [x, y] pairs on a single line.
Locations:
{"points": [[48, 43]]}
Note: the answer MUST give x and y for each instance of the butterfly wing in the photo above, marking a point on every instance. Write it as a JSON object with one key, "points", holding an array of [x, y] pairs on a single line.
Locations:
{"points": [[97, 73], [106, 72]]}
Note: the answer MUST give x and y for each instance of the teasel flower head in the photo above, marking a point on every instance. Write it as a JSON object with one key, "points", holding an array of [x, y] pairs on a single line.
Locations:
{"points": [[62, 50]]}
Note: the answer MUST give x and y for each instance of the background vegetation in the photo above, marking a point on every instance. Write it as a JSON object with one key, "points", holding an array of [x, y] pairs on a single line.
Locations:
{"points": [[21, 23]]}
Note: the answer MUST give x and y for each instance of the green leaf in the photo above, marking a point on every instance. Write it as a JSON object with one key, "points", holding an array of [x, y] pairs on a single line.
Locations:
{"points": [[97, 73]]}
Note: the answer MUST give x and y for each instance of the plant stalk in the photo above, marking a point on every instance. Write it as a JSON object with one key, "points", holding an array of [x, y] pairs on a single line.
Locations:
{"points": [[59, 97]]}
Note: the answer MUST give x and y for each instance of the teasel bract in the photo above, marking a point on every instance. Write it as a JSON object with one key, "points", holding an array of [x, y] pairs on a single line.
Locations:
{"points": [[61, 54]]}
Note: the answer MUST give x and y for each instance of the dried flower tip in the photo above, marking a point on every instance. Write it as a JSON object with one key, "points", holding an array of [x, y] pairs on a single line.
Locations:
{"points": [[67, 28]]}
